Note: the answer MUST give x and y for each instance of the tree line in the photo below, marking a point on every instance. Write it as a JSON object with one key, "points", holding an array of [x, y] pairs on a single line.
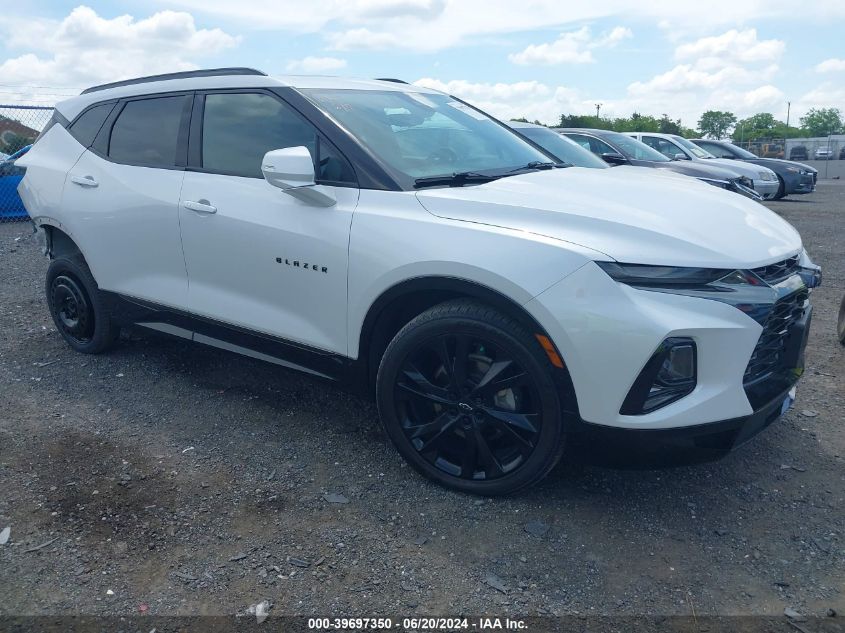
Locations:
{"points": [[716, 124]]}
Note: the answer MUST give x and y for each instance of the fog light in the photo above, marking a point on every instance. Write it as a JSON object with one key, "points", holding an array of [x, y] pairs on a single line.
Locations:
{"points": [[668, 376]]}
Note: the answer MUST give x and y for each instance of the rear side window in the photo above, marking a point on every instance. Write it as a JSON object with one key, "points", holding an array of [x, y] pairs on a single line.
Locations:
{"points": [[86, 126], [146, 132], [239, 128]]}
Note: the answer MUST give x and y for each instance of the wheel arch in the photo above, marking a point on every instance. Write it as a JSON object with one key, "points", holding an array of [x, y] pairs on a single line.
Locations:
{"points": [[403, 301], [57, 241]]}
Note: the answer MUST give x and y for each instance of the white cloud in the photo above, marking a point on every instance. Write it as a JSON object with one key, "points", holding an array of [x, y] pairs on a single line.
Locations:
{"points": [[311, 65], [731, 71], [85, 48], [831, 65], [363, 39], [432, 25], [533, 100], [732, 46], [573, 47]]}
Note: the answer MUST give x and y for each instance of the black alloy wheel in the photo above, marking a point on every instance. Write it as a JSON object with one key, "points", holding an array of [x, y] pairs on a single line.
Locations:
{"points": [[467, 407], [470, 402]]}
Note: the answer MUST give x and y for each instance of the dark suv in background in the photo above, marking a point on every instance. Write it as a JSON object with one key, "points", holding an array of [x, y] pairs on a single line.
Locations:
{"points": [[799, 152]]}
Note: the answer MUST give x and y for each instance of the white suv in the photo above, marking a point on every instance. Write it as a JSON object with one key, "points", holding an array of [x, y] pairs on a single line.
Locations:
{"points": [[398, 240]]}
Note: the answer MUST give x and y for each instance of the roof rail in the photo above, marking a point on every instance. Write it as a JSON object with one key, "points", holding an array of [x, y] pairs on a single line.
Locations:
{"points": [[396, 81], [210, 72]]}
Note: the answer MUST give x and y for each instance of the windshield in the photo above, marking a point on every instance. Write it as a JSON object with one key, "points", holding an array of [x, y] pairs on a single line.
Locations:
{"points": [[562, 148], [692, 148], [742, 153], [632, 148], [420, 135]]}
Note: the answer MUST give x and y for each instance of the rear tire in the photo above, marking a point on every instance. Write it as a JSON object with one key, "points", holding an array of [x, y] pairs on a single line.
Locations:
{"points": [[467, 396], [77, 307]]}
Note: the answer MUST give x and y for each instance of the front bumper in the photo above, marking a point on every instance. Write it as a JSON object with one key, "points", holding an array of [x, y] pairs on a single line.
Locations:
{"points": [[701, 442], [766, 188], [607, 331], [801, 183]]}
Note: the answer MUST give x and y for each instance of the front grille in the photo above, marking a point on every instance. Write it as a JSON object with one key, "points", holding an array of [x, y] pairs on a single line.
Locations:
{"points": [[769, 353], [777, 272]]}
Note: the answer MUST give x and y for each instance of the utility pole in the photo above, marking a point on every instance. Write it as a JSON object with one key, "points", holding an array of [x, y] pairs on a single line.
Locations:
{"points": [[598, 109], [788, 107]]}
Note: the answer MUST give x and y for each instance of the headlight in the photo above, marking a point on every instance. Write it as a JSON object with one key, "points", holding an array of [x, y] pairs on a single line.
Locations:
{"points": [[662, 276], [767, 175]]}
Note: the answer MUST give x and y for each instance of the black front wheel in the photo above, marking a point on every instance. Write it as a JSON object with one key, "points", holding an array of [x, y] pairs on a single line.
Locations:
{"points": [[77, 307], [467, 396]]}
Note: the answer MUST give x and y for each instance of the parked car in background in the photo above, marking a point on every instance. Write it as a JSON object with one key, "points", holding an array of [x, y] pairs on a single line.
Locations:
{"points": [[842, 154], [618, 149], [562, 148], [398, 240], [823, 153], [765, 181], [11, 206], [799, 152], [792, 177]]}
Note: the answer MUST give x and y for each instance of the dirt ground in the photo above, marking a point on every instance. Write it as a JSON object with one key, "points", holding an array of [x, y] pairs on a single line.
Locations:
{"points": [[168, 478]]}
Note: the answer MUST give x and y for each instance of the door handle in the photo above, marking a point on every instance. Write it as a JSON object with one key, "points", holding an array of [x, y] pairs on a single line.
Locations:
{"points": [[84, 181], [200, 206]]}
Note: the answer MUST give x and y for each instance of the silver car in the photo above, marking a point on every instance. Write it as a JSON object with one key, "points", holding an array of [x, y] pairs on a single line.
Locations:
{"points": [[765, 181]]}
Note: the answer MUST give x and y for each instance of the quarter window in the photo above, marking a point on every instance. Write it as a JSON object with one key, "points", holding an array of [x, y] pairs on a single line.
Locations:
{"points": [[146, 132], [86, 127], [239, 128]]}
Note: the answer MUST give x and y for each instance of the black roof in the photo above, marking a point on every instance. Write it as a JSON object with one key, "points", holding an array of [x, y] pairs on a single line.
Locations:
{"points": [[210, 72]]}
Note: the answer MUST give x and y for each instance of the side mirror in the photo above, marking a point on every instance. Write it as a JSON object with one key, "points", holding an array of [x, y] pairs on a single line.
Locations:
{"points": [[680, 156], [614, 158], [292, 170]]}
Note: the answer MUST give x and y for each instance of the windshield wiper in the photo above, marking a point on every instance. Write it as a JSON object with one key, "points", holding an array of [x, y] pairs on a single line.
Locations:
{"points": [[538, 164], [458, 179]]}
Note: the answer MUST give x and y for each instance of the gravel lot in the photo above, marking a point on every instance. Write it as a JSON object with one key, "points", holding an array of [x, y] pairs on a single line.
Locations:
{"points": [[168, 478]]}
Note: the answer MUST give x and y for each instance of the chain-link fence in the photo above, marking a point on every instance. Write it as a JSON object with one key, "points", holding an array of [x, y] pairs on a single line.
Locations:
{"points": [[19, 125]]}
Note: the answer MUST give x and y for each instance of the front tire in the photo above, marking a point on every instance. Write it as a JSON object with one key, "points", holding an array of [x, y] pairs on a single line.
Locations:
{"points": [[77, 307], [467, 396], [781, 192]]}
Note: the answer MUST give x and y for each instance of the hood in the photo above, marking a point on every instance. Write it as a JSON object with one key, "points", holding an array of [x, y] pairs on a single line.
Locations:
{"points": [[740, 167], [696, 169], [774, 163], [631, 215]]}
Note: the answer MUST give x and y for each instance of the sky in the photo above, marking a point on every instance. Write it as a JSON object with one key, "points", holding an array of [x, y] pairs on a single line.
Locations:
{"points": [[527, 58]]}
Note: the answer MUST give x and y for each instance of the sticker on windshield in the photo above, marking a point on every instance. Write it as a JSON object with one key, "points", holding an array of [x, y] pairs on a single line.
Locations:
{"points": [[475, 114]]}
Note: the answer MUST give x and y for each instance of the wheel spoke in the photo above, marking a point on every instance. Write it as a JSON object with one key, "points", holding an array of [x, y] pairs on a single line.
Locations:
{"points": [[424, 387], [442, 349], [470, 456], [459, 372], [510, 430], [441, 425], [429, 397], [519, 420], [489, 378], [492, 467]]}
